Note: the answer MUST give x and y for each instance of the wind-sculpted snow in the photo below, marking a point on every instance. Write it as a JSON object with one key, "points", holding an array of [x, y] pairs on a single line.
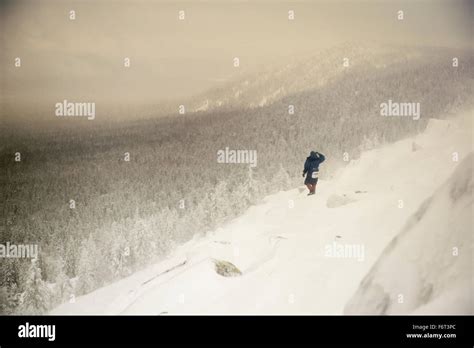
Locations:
{"points": [[429, 258], [335, 201]]}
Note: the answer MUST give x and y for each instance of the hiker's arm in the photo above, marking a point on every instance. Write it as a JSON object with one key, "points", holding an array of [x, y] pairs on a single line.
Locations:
{"points": [[305, 169], [321, 157]]}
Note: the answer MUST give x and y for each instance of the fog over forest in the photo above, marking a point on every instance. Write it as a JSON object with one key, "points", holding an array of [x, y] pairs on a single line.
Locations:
{"points": [[172, 59]]}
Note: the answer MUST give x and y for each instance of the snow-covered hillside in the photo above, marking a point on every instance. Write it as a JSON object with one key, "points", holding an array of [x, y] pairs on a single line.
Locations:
{"points": [[308, 255], [427, 268], [277, 80]]}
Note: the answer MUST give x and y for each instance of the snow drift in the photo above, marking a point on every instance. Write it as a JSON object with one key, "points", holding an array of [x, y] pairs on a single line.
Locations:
{"points": [[427, 267]]}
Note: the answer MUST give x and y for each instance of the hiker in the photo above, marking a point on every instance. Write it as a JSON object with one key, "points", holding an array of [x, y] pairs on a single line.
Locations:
{"points": [[311, 170]]}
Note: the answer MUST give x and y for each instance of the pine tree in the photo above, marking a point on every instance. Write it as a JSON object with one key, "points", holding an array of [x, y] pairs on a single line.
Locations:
{"points": [[198, 218], [220, 207], [240, 199], [86, 266], [251, 187], [141, 243], [4, 300], [63, 287], [35, 299]]}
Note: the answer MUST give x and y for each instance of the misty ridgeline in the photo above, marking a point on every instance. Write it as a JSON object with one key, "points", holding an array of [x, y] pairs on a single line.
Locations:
{"points": [[97, 217]]}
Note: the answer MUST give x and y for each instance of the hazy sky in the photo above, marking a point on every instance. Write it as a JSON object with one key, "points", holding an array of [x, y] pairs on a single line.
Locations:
{"points": [[83, 59]]}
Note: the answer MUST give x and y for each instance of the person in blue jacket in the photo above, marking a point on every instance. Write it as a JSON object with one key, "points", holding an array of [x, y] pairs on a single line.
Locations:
{"points": [[311, 170]]}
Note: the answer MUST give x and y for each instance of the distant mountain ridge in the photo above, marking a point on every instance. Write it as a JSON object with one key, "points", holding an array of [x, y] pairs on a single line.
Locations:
{"points": [[299, 74]]}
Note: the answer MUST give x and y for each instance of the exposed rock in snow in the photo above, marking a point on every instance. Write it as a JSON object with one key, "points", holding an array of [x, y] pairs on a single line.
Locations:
{"points": [[226, 268]]}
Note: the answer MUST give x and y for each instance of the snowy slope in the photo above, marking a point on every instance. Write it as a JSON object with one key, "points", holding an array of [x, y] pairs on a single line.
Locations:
{"points": [[427, 267], [294, 251]]}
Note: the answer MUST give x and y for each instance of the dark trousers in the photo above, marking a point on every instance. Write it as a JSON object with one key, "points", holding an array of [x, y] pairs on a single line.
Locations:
{"points": [[311, 187]]}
